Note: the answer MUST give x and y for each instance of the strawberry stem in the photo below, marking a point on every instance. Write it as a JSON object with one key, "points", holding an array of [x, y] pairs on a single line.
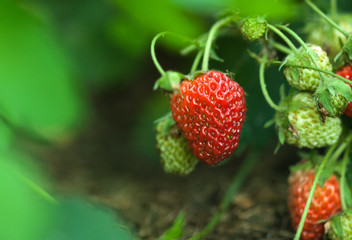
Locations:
{"points": [[152, 51], [237, 182], [303, 44], [196, 61], [263, 85], [212, 34], [343, 176], [152, 47], [311, 193], [284, 37], [326, 18], [317, 69], [280, 47]]}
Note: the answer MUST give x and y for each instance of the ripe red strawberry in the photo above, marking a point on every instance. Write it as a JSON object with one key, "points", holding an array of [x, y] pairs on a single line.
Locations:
{"points": [[325, 202], [210, 111], [346, 72]]}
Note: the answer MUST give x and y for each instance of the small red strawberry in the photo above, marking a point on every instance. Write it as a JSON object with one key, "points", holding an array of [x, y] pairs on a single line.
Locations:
{"points": [[210, 111], [325, 203], [346, 72]]}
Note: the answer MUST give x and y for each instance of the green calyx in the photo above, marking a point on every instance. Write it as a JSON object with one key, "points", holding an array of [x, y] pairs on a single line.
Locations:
{"points": [[253, 28], [170, 81], [332, 97]]}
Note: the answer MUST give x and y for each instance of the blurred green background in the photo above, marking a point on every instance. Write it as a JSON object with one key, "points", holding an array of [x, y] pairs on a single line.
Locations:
{"points": [[65, 64]]}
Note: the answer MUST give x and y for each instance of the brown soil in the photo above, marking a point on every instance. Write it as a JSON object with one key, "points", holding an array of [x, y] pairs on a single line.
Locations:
{"points": [[149, 200]]}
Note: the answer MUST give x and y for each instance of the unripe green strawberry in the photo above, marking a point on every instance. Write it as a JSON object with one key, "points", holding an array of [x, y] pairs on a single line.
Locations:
{"points": [[339, 104], [253, 28], [340, 227], [176, 156], [303, 78], [323, 34], [304, 127]]}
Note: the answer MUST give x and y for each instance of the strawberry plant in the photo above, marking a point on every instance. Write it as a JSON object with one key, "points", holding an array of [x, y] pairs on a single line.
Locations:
{"points": [[209, 109]]}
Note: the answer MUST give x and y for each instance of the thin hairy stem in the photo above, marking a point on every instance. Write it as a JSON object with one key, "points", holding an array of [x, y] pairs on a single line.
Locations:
{"points": [[196, 61], [263, 85], [326, 18], [212, 33]]}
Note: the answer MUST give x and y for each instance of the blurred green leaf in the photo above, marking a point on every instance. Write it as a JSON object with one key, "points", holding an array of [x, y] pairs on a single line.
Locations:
{"points": [[6, 136], [25, 215], [272, 9], [37, 92], [156, 16], [176, 230], [78, 219]]}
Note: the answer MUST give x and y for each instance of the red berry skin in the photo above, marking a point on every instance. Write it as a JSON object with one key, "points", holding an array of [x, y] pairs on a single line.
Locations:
{"points": [[325, 203], [210, 111], [346, 72]]}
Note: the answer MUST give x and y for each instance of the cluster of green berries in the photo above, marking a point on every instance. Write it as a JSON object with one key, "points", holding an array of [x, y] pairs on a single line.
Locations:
{"points": [[305, 120]]}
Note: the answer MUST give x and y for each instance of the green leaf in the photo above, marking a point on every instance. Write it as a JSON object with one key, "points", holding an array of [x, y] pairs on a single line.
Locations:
{"points": [[281, 136], [6, 135], [269, 123], [170, 81], [348, 193], [347, 47], [176, 231], [301, 166], [78, 219], [37, 91], [325, 174], [25, 214], [341, 88], [214, 56], [323, 96], [337, 226], [279, 10]]}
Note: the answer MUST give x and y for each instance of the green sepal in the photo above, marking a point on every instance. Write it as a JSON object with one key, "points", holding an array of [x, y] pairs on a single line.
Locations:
{"points": [[325, 174], [347, 47], [269, 123], [281, 136], [323, 97], [295, 73], [277, 148], [176, 230], [336, 225], [341, 88], [348, 194], [215, 56], [170, 81], [301, 166], [168, 123], [294, 105], [195, 74]]}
